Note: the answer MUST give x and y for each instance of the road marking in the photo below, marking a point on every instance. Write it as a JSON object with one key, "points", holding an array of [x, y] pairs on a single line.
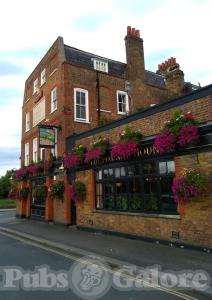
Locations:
{"points": [[75, 258]]}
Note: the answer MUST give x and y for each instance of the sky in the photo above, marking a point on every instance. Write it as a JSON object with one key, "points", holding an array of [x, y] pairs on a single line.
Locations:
{"points": [[178, 28]]}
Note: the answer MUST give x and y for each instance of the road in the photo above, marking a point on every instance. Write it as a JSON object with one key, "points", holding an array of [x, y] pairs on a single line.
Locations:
{"points": [[19, 257], [7, 216]]}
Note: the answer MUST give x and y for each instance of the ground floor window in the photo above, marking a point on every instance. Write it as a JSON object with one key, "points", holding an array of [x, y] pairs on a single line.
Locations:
{"points": [[143, 186]]}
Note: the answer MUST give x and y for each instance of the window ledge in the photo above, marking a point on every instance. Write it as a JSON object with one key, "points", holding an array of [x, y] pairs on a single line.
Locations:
{"points": [[81, 121], [150, 215]]}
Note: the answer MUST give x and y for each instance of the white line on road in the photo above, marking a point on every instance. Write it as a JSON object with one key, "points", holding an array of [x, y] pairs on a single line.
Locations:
{"points": [[75, 258]]}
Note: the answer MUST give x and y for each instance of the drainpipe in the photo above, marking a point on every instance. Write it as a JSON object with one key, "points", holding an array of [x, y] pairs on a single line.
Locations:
{"points": [[98, 97]]}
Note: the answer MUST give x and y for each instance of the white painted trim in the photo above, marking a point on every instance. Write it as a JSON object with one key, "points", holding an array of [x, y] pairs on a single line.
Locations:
{"points": [[26, 154], [41, 77], [127, 102], [27, 122], [103, 110], [55, 70], [86, 120], [100, 62], [52, 91]]}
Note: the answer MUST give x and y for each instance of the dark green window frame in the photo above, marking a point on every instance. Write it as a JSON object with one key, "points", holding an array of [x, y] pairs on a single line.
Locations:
{"points": [[141, 186]]}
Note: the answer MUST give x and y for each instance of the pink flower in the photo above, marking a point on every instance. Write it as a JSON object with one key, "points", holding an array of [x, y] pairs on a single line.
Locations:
{"points": [[93, 154], [124, 150], [165, 142], [188, 134], [32, 169], [72, 160]]}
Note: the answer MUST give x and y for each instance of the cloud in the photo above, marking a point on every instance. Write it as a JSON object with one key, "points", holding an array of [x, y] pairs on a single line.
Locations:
{"points": [[7, 68], [176, 28], [9, 159]]}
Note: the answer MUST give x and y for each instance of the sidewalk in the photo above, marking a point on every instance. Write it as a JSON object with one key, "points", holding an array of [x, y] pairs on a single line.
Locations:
{"points": [[116, 248]]}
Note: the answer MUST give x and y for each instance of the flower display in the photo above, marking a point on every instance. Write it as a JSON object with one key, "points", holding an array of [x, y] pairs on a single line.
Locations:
{"points": [[188, 186], [75, 158], [129, 135], [72, 160], [32, 169], [77, 190], [179, 120], [165, 142], [93, 154], [124, 150], [181, 131], [21, 173], [187, 135]]}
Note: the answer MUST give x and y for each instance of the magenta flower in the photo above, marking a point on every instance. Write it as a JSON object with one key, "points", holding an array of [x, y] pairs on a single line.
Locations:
{"points": [[72, 160], [21, 173], [188, 134], [93, 154], [183, 190], [124, 150], [165, 142], [32, 169]]}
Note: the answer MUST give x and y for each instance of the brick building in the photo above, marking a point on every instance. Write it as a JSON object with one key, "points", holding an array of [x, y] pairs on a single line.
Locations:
{"points": [[81, 95]]}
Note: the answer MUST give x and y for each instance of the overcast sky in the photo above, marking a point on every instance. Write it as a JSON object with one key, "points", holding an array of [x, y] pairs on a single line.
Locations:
{"points": [[179, 28]]}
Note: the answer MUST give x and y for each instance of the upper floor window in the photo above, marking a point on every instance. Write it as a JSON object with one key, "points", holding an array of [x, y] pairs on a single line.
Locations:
{"points": [[42, 153], [39, 112], [35, 150], [26, 156], [122, 103], [43, 77], [27, 122], [81, 111], [53, 99], [35, 86], [100, 65]]}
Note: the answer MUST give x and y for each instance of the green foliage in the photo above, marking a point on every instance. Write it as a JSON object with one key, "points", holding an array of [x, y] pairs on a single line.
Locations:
{"points": [[196, 178], [23, 193], [5, 183], [179, 120], [40, 191], [129, 135], [7, 203], [57, 190], [80, 188]]}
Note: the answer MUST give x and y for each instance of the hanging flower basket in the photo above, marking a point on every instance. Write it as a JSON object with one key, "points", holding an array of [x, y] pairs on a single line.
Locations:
{"points": [[93, 154], [21, 174], [32, 169], [72, 161], [23, 193], [77, 191], [189, 134], [124, 150], [165, 142], [190, 185], [57, 190]]}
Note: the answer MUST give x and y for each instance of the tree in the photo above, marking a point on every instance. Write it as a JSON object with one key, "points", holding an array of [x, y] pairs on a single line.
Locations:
{"points": [[5, 184]]}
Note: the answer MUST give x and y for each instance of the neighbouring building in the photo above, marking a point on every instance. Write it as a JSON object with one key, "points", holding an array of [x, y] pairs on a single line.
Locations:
{"points": [[79, 96]]}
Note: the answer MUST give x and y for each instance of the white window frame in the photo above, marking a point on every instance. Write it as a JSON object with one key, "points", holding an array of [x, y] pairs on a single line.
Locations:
{"points": [[42, 150], [127, 102], [86, 120], [100, 65], [43, 77], [26, 154], [54, 151], [54, 99], [35, 86], [27, 122], [35, 150]]}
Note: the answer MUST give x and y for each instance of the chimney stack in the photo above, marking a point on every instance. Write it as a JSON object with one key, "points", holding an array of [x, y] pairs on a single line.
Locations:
{"points": [[134, 54], [170, 69]]}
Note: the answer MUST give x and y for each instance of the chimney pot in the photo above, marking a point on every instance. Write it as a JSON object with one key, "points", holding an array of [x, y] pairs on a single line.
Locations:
{"points": [[128, 29], [133, 31], [137, 32]]}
